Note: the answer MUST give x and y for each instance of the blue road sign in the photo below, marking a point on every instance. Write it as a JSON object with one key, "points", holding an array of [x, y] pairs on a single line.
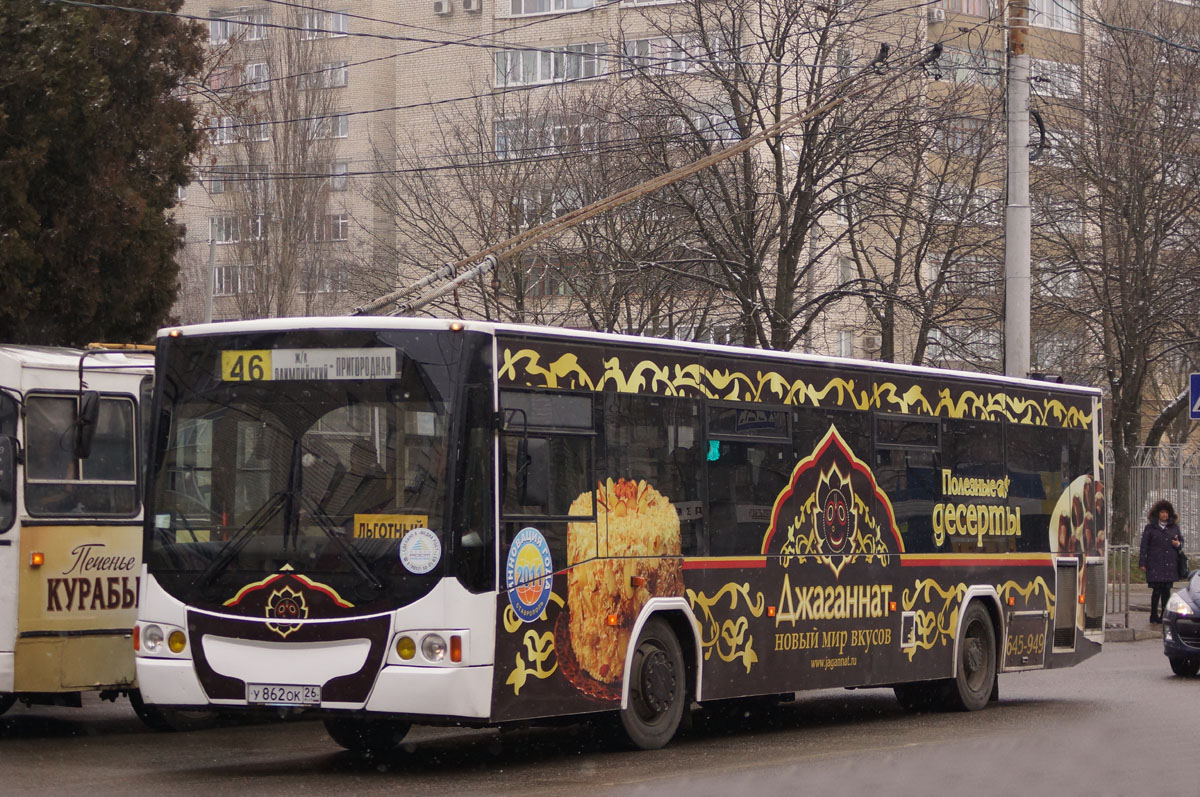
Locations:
{"points": [[1194, 398]]}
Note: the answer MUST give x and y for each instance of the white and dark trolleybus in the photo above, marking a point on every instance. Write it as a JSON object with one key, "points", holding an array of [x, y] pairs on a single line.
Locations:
{"points": [[396, 521]]}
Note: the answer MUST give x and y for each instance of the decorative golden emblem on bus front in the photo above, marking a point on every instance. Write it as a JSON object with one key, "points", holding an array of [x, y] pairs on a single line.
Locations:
{"points": [[286, 608]]}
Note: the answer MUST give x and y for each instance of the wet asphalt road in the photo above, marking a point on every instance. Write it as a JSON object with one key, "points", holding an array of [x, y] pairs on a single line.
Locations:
{"points": [[1117, 724]]}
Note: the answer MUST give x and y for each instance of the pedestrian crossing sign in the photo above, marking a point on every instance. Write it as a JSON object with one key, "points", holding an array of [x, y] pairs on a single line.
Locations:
{"points": [[1194, 398]]}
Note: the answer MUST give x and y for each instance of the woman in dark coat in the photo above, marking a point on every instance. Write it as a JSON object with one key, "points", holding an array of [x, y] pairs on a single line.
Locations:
{"points": [[1159, 555]]}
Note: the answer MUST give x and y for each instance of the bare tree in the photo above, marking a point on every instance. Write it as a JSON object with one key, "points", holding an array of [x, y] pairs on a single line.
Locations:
{"points": [[515, 160], [1117, 210], [275, 162], [770, 218], [924, 244]]}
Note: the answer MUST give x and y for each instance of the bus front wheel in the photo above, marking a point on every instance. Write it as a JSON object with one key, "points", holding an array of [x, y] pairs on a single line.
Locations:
{"points": [[657, 687], [366, 736], [975, 672]]}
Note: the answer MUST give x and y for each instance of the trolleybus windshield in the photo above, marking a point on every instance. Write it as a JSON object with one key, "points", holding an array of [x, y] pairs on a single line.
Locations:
{"points": [[283, 454]]}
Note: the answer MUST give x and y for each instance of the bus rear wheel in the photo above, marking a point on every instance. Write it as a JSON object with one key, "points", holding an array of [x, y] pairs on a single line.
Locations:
{"points": [[975, 671], [367, 736], [6, 702], [657, 687]]}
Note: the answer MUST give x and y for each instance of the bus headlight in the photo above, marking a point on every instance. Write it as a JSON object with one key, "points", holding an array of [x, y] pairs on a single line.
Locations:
{"points": [[1177, 605], [152, 638], [433, 647], [177, 641], [406, 648]]}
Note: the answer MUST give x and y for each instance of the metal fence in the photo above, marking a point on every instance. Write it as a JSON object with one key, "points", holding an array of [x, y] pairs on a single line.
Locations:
{"points": [[1120, 565], [1167, 472], [1157, 472]]}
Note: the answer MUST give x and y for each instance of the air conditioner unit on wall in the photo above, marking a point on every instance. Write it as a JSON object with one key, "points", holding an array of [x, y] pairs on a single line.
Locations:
{"points": [[441, 7], [472, 5], [937, 14]]}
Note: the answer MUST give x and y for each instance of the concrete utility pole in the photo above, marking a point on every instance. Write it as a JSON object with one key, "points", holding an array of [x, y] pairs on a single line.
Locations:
{"points": [[1017, 219], [211, 276]]}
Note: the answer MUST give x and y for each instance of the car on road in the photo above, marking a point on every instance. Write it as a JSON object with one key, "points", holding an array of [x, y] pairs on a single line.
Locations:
{"points": [[1181, 628]]}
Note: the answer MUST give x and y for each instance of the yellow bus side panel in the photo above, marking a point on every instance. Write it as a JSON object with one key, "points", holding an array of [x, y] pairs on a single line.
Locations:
{"points": [[86, 586], [55, 664]]}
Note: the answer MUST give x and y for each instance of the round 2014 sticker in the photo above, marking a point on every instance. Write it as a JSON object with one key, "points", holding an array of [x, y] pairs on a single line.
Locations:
{"points": [[529, 574], [420, 550]]}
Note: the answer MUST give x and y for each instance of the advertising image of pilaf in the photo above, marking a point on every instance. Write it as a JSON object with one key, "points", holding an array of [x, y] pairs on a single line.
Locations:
{"points": [[641, 522]]}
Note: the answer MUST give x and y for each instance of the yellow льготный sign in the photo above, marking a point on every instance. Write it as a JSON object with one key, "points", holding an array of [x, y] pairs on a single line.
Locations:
{"points": [[387, 527]]}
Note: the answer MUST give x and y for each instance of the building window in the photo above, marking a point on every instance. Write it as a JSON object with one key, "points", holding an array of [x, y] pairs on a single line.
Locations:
{"points": [[971, 66], [337, 74], [1057, 14], [658, 55], [324, 25], [329, 127], [1054, 79], [1059, 281], [246, 25], [976, 8], [964, 344], [231, 280], [324, 279], [180, 193], [520, 7], [963, 135], [974, 275], [222, 129], [220, 29], [545, 282], [960, 204], [224, 229], [524, 138], [257, 76], [533, 67], [335, 227], [259, 131], [338, 178], [845, 343], [847, 271], [332, 75]]}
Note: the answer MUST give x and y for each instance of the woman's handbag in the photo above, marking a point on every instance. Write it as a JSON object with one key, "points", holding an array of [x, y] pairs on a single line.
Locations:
{"points": [[1182, 568]]}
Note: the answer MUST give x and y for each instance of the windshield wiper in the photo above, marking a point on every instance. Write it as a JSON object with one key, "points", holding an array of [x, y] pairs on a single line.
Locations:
{"points": [[354, 555], [237, 542]]}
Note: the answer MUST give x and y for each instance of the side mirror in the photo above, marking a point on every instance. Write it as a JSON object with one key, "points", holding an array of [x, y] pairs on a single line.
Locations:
{"points": [[85, 423], [8, 482]]}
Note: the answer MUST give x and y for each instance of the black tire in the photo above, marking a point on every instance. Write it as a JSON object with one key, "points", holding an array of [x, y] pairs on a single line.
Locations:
{"points": [[370, 737], [975, 671], [167, 719], [922, 696], [658, 691], [6, 702], [1181, 666]]}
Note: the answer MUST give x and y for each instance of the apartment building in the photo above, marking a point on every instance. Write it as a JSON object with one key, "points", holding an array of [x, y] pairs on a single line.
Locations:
{"points": [[311, 109]]}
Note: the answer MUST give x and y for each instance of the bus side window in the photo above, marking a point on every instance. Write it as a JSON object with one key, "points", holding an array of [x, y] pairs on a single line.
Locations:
{"points": [[750, 459], [8, 462], [657, 439], [56, 483], [546, 453], [907, 460]]}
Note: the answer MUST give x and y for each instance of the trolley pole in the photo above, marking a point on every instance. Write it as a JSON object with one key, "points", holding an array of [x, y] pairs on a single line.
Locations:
{"points": [[1017, 218]]}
